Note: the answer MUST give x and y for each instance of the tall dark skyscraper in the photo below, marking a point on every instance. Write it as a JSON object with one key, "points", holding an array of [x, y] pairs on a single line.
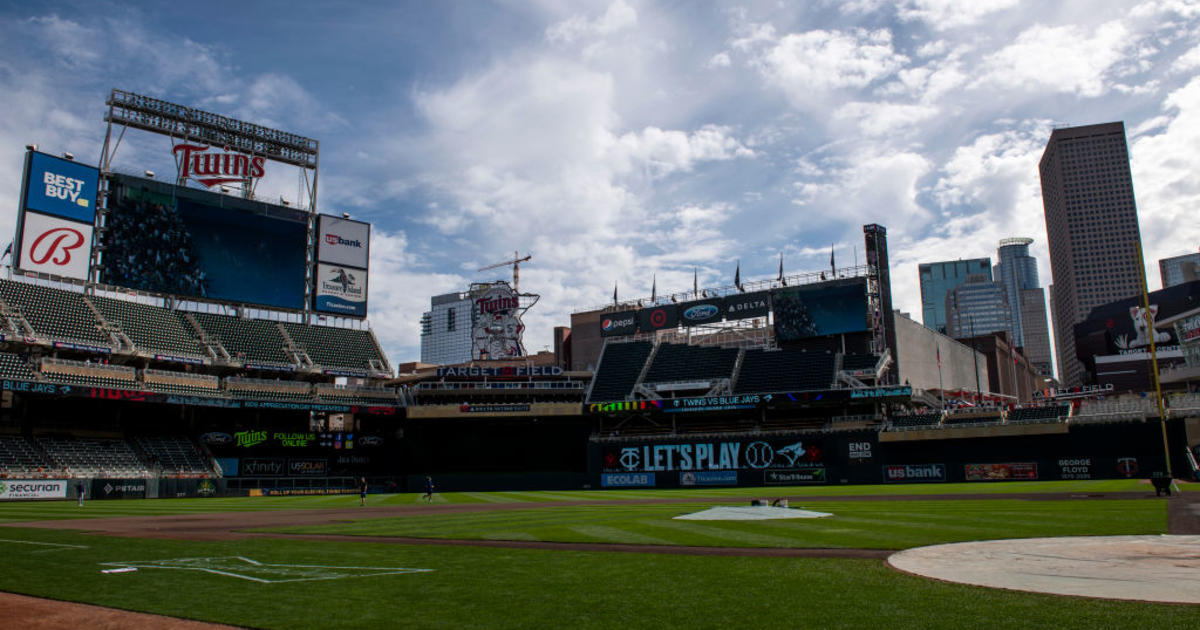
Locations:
{"points": [[1017, 271], [1091, 227]]}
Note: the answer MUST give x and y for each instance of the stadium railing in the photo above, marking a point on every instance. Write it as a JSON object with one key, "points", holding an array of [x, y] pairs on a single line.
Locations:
{"points": [[87, 373]]}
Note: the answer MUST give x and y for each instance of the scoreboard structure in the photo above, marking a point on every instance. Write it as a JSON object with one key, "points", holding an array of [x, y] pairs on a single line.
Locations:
{"points": [[203, 236]]}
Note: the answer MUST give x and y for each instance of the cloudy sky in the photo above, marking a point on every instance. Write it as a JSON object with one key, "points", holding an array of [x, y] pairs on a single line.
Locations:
{"points": [[620, 141]]}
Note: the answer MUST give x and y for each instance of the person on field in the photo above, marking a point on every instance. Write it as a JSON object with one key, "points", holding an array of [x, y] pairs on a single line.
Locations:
{"points": [[428, 496], [362, 491], [79, 491]]}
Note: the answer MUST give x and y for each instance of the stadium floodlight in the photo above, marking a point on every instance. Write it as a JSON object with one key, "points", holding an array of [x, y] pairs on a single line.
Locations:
{"points": [[224, 189], [150, 174], [68, 155], [284, 202], [345, 215], [31, 147]]}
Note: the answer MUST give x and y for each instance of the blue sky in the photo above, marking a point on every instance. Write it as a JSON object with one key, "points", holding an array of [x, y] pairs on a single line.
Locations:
{"points": [[620, 141]]}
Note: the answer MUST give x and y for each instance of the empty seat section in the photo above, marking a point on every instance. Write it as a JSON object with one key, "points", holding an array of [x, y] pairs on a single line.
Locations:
{"points": [[255, 339], [784, 371], [15, 367], [176, 455], [263, 389], [151, 328], [336, 347], [917, 420], [682, 362], [20, 458], [54, 313], [91, 457], [1039, 414], [620, 365], [89, 374], [184, 383]]}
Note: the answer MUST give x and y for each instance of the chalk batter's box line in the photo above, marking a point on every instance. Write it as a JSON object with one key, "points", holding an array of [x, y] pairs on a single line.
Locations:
{"points": [[146, 564]]}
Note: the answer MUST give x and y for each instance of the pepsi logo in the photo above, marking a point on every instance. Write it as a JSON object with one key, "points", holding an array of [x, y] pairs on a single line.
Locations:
{"points": [[700, 311], [611, 324]]}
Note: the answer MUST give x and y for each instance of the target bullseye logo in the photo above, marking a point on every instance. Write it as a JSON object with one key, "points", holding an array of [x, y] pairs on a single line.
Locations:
{"points": [[658, 318]]}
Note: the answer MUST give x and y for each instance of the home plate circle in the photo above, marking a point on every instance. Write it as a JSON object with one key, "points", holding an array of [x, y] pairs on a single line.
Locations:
{"points": [[1144, 568]]}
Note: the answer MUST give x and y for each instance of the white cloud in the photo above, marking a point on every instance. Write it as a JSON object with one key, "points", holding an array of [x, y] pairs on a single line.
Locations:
{"points": [[661, 152], [719, 60], [1188, 61], [944, 14], [1058, 59], [878, 119], [618, 16], [805, 65]]}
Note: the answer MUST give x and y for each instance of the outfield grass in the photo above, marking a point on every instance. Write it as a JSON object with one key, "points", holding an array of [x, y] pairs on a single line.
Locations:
{"points": [[505, 588], [474, 587], [854, 524], [49, 510]]}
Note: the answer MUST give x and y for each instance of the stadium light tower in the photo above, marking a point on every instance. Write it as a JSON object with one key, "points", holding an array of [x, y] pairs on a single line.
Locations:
{"points": [[516, 265]]}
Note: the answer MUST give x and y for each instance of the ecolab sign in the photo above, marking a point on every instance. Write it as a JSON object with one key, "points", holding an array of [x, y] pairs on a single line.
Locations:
{"points": [[212, 169], [342, 241], [54, 246]]}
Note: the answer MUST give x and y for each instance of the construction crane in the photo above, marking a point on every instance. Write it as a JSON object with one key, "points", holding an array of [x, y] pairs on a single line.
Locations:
{"points": [[516, 265]]}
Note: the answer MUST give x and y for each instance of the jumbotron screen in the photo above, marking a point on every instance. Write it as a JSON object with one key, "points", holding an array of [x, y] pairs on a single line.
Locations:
{"points": [[821, 309], [181, 241]]}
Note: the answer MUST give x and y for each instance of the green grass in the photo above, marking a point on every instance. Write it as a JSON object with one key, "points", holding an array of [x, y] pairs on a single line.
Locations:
{"points": [[854, 524], [504, 588], [474, 587], [50, 510]]}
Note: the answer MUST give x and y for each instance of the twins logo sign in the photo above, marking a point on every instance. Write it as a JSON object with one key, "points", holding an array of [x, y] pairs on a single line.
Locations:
{"points": [[52, 245]]}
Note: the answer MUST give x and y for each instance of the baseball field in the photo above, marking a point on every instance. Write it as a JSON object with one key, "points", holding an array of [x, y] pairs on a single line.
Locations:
{"points": [[602, 559]]}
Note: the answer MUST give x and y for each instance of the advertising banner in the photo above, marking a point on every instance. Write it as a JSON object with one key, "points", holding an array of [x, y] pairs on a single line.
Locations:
{"points": [[712, 403], [627, 480], [62, 188], [908, 473], [118, 489], [780, 454], [343, 242], [658, 318], [701, 311], [341, 290], [709, 478], [1001, 472], [746, 305], [794, 476], [308, 466], [818, 310], [229, 466], [615, 324], [17, 489], [262, 467], [55, 246]]}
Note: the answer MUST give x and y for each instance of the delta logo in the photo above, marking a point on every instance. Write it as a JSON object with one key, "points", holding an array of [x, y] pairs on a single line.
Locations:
{"points": [[334, 239], [612, 324], [700, 311]]}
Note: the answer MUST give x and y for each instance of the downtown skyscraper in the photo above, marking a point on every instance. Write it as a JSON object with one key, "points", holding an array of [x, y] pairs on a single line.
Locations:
{"points": [[1018, 272], [1091, 228]]}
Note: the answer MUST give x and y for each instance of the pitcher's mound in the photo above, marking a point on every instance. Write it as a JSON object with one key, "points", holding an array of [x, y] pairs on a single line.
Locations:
{"points": [[1145, 568], [753, 513]]}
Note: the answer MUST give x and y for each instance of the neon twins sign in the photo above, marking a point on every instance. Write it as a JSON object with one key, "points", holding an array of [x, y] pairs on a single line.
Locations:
{"points": [[212, 169]]}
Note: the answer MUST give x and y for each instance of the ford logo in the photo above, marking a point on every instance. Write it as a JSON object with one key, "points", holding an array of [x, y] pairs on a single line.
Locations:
{"points": [[700, 311], [216, 437]]}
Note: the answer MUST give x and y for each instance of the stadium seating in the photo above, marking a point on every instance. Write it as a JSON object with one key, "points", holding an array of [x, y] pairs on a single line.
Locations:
{"points": [[15, 367], [918, 420], [331, 347], [93, 457], [262, 389], [151, 328], [184, 383], [856, 362], [1184, 405], [175, 456], [89, 374], [328, 392], [972, 417], [1115, 410], [257, 340], [620, 365], [21, 459], [1051, 413], [54, 313], [766, 371], [675, 363]]}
